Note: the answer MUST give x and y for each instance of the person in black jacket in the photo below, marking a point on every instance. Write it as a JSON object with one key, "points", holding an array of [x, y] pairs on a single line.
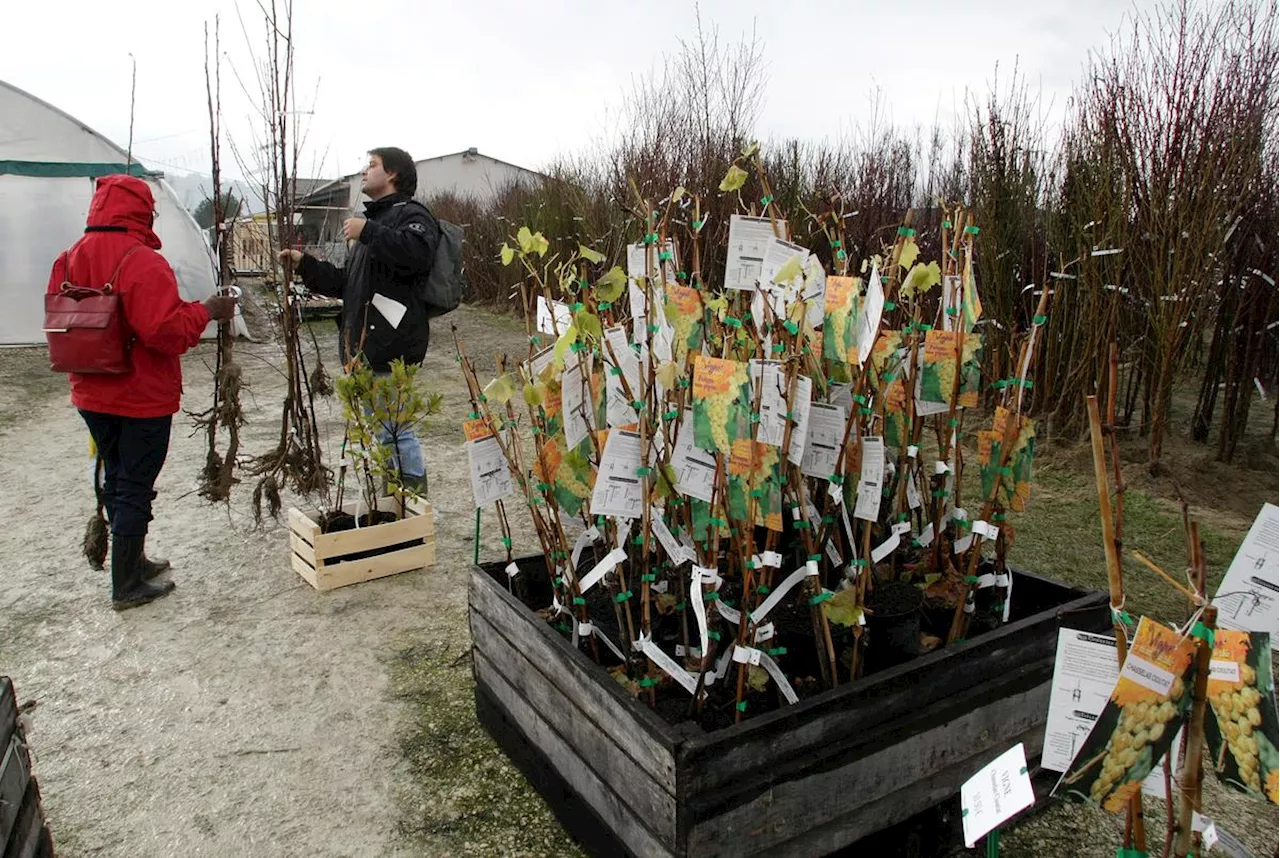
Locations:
{"points": [[391, 251]]}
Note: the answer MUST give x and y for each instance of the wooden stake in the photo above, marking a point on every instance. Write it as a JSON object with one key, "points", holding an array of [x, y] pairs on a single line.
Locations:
{"points": [[1192, 764]]}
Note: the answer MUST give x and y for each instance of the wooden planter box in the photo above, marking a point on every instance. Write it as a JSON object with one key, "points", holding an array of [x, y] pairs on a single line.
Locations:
{"points": [[326, 560], [801, 781], [23, 833]]}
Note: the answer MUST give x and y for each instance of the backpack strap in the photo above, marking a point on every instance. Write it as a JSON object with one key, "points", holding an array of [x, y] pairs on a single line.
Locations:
{"points": [[109, 285]]}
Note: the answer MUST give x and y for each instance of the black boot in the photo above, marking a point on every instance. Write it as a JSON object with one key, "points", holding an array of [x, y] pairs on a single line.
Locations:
{"points": [[128, 589], [152, 568]]}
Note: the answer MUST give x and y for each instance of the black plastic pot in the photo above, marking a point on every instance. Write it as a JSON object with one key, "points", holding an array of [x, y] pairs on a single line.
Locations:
{"points": [[893, 625]]}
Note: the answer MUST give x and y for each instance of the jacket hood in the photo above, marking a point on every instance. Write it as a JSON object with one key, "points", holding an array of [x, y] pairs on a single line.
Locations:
{"points": [[124, 203]]}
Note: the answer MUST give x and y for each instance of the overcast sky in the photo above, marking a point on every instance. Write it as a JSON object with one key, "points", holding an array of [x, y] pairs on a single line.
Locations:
{"points": [[525, 82]]}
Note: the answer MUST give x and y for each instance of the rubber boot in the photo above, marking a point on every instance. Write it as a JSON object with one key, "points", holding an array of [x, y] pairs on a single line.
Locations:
{"points": [[128, 589], [153, 568]]}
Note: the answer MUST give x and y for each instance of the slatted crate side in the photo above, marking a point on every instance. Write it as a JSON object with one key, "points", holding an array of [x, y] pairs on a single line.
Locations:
{"points": [[314, 554], [330, 576], [789, 795], [15, 777], [729, 755], [501, 665], [648, 740]]}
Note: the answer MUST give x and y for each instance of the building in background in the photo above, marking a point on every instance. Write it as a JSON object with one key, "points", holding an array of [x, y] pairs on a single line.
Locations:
{"points": [[468, 174]]}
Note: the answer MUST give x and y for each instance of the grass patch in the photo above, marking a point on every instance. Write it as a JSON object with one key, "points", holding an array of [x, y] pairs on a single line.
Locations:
{"points": [[1060, 536], [467, 798]]}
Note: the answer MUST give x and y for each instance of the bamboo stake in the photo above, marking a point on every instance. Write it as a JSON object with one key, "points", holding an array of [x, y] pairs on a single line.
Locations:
{"points": [[1115, 581]]}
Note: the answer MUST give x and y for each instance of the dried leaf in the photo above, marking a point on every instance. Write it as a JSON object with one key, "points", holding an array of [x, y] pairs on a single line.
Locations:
{"points": [[592, 256]]}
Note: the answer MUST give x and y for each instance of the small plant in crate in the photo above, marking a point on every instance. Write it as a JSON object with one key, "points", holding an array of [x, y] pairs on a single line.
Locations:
{"points": [[381, 409]]}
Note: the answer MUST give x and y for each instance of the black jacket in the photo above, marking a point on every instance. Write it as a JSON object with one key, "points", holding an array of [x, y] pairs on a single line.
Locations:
{"points": [[396, 249]]}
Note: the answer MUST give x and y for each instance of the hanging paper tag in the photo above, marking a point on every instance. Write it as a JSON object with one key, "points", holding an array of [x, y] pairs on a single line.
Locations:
{"points": [[512, 570], [588, 536], [733, 615], [772, 559], [913, 451], [779, 592], [940, 468], [765, 632], [699, 609], [926, 535], [962, 545], [665, 663], [995, 794], [604, 567]]}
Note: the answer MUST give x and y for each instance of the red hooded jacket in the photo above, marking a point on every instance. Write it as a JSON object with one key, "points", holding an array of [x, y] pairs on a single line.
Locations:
{"points": [[164, 325]]}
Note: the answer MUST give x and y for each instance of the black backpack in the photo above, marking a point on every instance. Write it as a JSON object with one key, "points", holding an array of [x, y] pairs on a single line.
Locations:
{"points": [[442, 288]]}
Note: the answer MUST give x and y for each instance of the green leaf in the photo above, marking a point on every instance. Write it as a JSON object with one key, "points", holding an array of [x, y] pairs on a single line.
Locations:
{"points": [[568, 338], [921, 278], [508, 253], [533, 396], [501, 389], [842, 609], [592, 256], [609, 287], [734, 179], [910, 250], [589, 325]]}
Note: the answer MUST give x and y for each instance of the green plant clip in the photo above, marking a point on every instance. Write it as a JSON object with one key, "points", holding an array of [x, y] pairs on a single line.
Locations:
{"points": [[890, 305], [765, 200], [649, 577], [732, 322], [971, 230], [778, 348], [820, 598], [648, 681], [836, 243], [792, 327], [671, 415], [802, 525], [946, 224], [535, 340], [622, 597], [1039, 320], [816, 558], [953, 311], [775, 651], [715, 636], [506, 542], [578, 600], [840, 254], [1203, 632], [605, 305], [742, 707], [763, 590]]}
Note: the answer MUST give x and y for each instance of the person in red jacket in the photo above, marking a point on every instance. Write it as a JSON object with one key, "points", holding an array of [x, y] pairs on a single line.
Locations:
{"points": [[130, 415]]}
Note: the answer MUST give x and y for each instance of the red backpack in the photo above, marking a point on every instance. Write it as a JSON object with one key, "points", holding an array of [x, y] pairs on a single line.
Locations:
{"points": [[85, 327]]}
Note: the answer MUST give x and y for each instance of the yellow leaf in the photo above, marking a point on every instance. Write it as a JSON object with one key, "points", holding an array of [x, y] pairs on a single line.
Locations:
{"points": [[592, 256], [790, 270], [525, 238], [609, 287], [842, 609], [758, 678], [718, 306], [667, 373], [508, 253], [734, 179], [750, 148], [500, 390], [921, 278], [910, 250], [532, 396]]}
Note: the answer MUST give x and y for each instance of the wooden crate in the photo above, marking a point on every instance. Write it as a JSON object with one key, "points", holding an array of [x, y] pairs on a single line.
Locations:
{"points": [[323, 558], [805, 780], [23, 833]]}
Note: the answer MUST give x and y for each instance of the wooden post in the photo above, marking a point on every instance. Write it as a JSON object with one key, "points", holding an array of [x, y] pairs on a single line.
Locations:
{"points": [[1115, 581], [1192, 764]]}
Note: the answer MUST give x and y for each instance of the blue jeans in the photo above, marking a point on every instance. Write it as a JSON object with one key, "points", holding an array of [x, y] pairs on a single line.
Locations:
{"points": [[133, 450], [407, 456]]}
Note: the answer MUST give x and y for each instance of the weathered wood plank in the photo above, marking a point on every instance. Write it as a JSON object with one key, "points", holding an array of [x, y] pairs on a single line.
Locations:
{"points": [[649, 740], [729, 756], [575, 771], [15, 775], [646, 798], [801, 800], [898, 806]]}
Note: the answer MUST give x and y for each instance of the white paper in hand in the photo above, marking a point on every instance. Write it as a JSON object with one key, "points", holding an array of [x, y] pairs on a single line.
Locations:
{"points": [[995, 794]]}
